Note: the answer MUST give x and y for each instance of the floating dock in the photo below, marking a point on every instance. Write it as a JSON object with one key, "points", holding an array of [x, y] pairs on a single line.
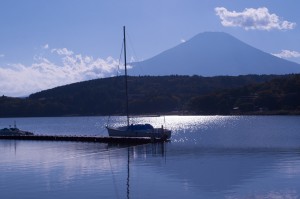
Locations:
{"points": [[110, 140]]}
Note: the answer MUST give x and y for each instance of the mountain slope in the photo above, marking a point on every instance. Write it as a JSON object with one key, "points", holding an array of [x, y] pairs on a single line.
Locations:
{"points": [[147, 95], [212, 54], [278, 96]]}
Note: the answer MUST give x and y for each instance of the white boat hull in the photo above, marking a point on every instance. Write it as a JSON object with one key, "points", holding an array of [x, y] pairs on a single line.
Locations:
{"points": [[157, 133]]}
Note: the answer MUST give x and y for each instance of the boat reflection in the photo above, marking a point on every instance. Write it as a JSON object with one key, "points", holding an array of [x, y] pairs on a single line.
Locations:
{"points": [[211, 172], [136, 153], [146, 171]]}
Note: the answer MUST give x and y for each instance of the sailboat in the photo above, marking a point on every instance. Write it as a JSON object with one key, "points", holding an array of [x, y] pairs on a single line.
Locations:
{"points": [[136, 130]]}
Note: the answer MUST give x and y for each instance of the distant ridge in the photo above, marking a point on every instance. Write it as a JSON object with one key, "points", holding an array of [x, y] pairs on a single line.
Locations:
{"points": [[147, 95], [213, 54]]}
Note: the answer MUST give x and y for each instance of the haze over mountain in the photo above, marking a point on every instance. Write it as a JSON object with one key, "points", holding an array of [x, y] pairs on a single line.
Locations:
{"points": [[212, 54]]}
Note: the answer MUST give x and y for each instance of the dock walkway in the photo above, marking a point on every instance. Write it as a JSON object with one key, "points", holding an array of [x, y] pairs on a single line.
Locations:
{"points": [[100, 139]]}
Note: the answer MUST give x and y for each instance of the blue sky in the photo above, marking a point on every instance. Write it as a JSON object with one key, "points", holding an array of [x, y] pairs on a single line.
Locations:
{"points": [[47, 43]]}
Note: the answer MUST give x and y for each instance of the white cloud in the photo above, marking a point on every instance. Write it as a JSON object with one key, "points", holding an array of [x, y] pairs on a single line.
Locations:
{"points": [[253, 19], [2, 55], [182, 40], [287, 54], [46, 46], [21, 80], [62, 51]]}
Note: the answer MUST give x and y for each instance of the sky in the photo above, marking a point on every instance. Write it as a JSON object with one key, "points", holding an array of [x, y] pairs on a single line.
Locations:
{"points": [[48, 43]]}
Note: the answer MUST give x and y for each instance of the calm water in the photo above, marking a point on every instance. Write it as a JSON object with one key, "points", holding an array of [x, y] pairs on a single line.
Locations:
{"points": [[208, 157]]}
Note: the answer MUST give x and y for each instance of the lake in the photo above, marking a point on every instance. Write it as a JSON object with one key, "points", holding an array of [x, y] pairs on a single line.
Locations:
{"points": [[207, 157]]}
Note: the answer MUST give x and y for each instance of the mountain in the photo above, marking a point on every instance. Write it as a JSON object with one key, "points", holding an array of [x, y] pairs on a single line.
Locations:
{"points": [[212, 54]]}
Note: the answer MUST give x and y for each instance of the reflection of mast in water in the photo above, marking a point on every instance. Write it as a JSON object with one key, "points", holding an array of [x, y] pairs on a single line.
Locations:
{"points": [[15, 145], [153, 149], [128, 170]]}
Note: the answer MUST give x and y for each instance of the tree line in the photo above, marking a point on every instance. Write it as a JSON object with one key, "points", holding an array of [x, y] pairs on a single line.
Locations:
{"points": [[160, 95], [278, 96]]}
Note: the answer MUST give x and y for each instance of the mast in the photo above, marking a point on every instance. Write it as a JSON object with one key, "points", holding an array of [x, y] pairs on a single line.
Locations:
{"points": [[126, 84]]}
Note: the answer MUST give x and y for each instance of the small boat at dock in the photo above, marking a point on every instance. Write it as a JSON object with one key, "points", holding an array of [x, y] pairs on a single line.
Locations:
{"points": [[14, 131]]}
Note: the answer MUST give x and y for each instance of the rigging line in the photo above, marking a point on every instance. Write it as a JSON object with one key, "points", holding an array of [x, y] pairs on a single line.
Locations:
{"points": [[108, 119], [120, 57], [115, 83], [113, 176], [104, 130], [79, 156], [71, 157], [131, 46]]}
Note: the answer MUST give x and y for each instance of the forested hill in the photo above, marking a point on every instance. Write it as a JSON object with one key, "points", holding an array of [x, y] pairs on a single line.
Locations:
{"points": [[147, 95], [278, 96]]}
